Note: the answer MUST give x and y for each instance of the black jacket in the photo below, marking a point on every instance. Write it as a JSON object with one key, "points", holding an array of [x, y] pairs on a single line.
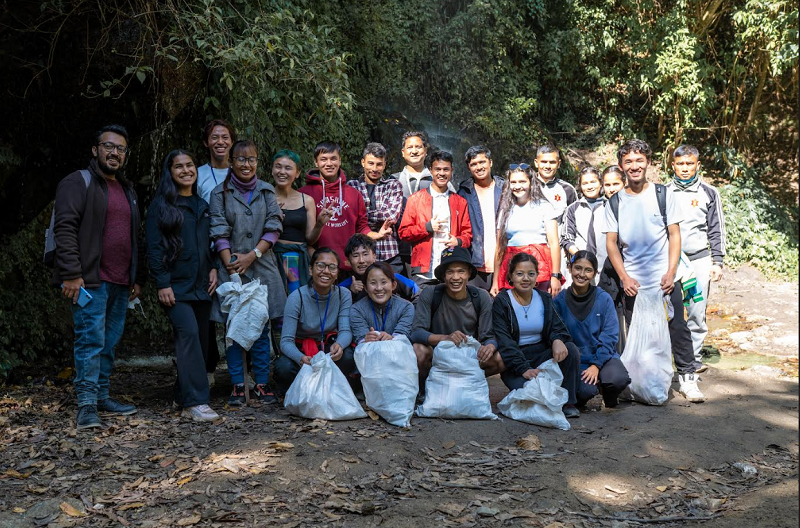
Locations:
{"points": [[80, 219], [187, 275], [506, 329]]}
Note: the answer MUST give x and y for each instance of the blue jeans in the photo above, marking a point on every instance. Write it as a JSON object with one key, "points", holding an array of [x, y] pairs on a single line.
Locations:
{"points": [[98, 329], [259, 354]]}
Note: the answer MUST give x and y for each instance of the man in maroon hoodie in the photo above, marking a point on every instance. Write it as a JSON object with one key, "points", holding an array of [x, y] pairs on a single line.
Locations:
{"points": [[343, 205]]}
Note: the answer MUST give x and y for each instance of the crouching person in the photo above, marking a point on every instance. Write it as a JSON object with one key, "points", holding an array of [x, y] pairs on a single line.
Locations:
{"points": [[381, 315], [453, 311], [529, 332], [316, 319]]}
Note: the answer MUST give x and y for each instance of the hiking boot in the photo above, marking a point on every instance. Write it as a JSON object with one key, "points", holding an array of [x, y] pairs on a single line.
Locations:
{"points": [[237, 396], [112, 406], [570, 411], [200, 413], [688, 387], [211, 380], [87, 417], [265, 394]]}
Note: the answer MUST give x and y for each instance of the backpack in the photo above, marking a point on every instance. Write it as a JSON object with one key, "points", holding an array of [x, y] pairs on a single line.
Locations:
{"points": [[438, 295], [661, 197], [49, 257]]}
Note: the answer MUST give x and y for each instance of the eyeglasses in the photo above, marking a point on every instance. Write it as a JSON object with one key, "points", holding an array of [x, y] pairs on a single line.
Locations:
{"points": [[515, 166], [241, 160], [321, 266], [111, 147]]}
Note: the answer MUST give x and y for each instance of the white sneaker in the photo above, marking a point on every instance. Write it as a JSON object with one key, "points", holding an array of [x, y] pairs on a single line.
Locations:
{"points": [[211, 380], [200, 413], [689, 389]]}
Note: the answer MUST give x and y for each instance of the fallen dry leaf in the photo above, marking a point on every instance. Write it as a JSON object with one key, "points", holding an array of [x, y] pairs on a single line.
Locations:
{"points": [[17, 509], [449, 445], [189, 521], [616, 490], [530, 443], [131, 506], [450, 509], [184, 481], [230, 465], [71, 510], [661, 488], [280, 446], [324, 466], [372, 414], [168, 461], [16, 474]]}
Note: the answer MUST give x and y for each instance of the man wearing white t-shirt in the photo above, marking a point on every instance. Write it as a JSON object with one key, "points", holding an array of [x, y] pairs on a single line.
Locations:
{"points": [[651, 246], [218, 138]]}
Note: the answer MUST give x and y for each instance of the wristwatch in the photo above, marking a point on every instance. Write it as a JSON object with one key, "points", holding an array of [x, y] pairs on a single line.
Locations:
{"points": [[557, 276], [257, 252]]}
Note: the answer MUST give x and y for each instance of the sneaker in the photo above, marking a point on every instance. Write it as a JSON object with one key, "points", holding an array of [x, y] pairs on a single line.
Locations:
{"points": [[265, 394], [237, 395], [112, 406], [211, 380], [570, 411], [688, 387], [200, 413], [87, 417]]}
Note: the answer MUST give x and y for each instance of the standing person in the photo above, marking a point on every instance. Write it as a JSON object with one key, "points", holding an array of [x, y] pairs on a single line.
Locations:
{"points": [[301, 225], [558, 192], [179, 257], [643, 220], [381, 315], [246, 223], [591, 319], [527, 224], [583, 220], [614, 180], [415, 176], [529, 332], [218, 136], [360, 251], [384, 199], [702, 236], [317, 319], [327, 186], [98, 248], [482, 193], [435, 219]]}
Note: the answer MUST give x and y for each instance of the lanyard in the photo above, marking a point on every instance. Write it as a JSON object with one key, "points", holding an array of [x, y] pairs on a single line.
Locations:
{"points": [[385, 313], [324, 319]]}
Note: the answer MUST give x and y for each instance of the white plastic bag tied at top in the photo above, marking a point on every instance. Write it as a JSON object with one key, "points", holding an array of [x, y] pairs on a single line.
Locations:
{"points": [[540, 400], [456, 386], [247, 306], [321, 391], [390, 378]]}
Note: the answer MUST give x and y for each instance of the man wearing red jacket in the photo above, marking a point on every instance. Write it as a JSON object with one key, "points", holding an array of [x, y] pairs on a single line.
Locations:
{"points": [[341, 205], [435, 219]]}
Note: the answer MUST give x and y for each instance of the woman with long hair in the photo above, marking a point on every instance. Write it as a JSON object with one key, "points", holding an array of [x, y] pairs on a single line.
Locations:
{"points": [[179, 255], [527, 224], [246, 221]]}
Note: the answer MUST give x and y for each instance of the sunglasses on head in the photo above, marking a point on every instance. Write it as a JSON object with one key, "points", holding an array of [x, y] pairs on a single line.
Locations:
{"points": [[515, 166]]}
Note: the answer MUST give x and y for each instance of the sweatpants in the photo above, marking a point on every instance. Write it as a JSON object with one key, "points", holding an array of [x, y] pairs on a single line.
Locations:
{"points": [[285, 370], [538, 353], [679, 333], [696, 311], [190, 327], [612, 379]]}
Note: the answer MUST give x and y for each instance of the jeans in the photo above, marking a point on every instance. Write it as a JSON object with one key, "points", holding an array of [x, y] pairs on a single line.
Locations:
{"points": [[538, 353], [98, 329], [190, 326], [259, 353]]}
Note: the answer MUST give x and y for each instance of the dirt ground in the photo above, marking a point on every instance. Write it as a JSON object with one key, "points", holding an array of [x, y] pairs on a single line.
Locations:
{"points": [[731, 461]]}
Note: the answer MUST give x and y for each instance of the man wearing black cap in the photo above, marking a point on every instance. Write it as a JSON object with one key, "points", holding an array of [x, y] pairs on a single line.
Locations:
{"points": [[452, 311]]}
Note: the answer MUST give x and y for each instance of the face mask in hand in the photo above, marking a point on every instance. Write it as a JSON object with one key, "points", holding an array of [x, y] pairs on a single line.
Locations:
{"points": [[132, 305]]}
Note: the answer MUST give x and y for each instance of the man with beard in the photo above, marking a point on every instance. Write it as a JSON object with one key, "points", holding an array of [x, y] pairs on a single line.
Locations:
{"points": [[98, 264]]}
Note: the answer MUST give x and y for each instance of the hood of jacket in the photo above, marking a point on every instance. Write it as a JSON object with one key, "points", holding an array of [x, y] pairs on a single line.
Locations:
{"points": [[313, 177]]}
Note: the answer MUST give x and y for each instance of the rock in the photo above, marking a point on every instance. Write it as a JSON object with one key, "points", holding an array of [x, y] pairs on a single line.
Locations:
{"points": [[483, 511], [764, 370]]}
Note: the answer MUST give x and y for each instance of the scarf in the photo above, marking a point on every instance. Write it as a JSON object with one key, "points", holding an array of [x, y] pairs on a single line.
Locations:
{"points": [[243, 187], [684, 184], [581, 306]]}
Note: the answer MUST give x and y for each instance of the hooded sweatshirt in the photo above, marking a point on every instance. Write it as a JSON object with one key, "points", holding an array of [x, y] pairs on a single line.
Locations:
{"points": [[349, 211]]}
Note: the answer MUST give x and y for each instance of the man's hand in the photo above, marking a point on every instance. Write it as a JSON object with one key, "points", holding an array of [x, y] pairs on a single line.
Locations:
{"points": [[630, 285], [495, 289], [356, 286], [386, 229], [559, 350], [212, 281], [555, 286], [590, 375], [437, 224], [451, 242], [166, 296], [668, 282], [715, 273], [458, 337], [324, 215], [336, 351], [530, 374], [136, 291], [486, 352], [72, 289]]}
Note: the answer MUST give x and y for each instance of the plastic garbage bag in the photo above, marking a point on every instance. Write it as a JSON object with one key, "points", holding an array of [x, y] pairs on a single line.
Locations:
{"points": [[648, 352], [320, 390], [456, 386], [390, 378], [540, 400], [247, 306]]}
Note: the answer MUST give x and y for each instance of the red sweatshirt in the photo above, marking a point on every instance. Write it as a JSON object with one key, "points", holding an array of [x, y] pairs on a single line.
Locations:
{"points": [[349, 212]]}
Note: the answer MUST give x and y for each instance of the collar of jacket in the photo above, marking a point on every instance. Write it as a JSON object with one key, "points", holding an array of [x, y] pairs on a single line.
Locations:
{"points": [[551, 183], [314, 177], [694, 187], [469, 184], [584, 202], [384, 180]]}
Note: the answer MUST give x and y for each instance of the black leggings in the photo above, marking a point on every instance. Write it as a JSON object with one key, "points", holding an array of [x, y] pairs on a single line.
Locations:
{"points": [[190, 327], [612, 379], [538, 353]]}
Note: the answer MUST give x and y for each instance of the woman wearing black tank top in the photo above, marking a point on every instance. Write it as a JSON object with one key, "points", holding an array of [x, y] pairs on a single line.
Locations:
{"points": [[301, 227]]}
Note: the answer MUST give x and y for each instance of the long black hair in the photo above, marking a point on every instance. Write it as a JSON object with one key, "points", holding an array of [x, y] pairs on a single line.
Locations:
{"points": [[170, 218], [507, 202]]}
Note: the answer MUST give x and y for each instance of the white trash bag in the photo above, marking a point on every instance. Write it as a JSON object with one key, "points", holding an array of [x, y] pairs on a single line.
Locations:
{"points": [[648, 352], [390, 378], [456, 386], [247, 306], [540, 400], [320, 390]]}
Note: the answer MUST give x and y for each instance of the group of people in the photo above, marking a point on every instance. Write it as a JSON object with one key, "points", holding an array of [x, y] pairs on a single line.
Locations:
{"points": [[347, 261]]}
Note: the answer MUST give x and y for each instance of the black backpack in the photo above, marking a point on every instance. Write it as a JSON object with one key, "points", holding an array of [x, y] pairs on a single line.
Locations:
{"points": [[661, 196]]}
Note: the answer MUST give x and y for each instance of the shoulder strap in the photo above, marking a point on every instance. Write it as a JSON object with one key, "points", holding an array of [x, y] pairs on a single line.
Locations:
{"points": [[87, 177], [661, 197], [438, 294], [475, 297], [613, 203]]}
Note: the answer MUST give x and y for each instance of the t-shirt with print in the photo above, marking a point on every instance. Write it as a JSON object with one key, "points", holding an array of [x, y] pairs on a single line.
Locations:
{"points": [[115, 263], [486, 201], [642, 233], [527, 224]]}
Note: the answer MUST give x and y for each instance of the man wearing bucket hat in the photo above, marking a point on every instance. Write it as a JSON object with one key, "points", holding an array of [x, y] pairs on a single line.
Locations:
{"points": [[453, 311]]}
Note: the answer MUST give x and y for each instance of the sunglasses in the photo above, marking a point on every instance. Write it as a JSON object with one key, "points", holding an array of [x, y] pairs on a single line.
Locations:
{"points": [[522, 166]]}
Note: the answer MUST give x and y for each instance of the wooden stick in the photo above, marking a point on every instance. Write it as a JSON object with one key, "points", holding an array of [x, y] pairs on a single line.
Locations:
{"points": [[246, 378]]}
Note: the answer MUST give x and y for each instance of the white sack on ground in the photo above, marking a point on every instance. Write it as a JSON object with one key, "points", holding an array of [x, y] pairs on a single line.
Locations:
{"points": [[247, 306], [540, 400], [390, 378], [320, 390]]}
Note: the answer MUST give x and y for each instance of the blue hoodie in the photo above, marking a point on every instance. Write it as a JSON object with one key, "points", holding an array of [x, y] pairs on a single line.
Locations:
{"points": [[597, 335]]}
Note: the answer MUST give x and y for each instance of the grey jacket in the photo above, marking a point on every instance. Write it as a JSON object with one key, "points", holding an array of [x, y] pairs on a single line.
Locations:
{"points": [[244, 225]]}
